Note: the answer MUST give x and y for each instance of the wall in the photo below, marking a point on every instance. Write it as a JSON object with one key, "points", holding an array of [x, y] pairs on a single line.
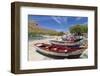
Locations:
{"points": [[5, 33]]}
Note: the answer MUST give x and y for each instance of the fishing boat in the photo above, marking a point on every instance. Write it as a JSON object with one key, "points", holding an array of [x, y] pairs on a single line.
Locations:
{"points": [[67, 43], [59, 51], [70, 40], [71, 37]]}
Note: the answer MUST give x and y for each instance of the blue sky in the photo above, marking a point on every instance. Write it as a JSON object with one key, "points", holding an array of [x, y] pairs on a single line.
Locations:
{"points": [[58, 23]]}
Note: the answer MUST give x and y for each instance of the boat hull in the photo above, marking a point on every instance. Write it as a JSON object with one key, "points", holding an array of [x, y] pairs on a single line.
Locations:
{"points": [[71, 55], [59, 57], [65, 43]]}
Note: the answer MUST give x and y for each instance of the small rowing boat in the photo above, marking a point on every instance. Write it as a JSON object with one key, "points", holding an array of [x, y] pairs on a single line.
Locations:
{"points": [[59, 51], [66, 43]]}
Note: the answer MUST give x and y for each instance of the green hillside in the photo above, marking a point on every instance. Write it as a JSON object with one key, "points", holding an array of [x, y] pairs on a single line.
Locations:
{"points": [[35, 29]]}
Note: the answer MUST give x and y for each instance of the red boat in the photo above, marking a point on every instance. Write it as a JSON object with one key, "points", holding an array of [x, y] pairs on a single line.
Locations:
{"points": [[59, 51]]}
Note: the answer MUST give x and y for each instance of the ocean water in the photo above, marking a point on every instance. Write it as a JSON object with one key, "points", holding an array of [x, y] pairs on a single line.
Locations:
{"points": [[36, 38]]}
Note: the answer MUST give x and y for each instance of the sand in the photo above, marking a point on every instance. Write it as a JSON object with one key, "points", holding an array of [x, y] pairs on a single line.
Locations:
{"points": [[35, 56]]}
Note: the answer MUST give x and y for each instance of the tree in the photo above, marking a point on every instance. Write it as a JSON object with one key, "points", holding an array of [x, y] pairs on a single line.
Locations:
{"points": [[61, 33], [79, 29]]}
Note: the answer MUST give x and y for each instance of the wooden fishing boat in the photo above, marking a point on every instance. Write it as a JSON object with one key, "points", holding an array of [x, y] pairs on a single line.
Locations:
{"points": [[66, 43], [60, 51], [72, 38]]}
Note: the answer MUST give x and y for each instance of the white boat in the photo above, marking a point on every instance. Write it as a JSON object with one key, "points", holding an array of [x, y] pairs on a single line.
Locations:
{"points": [[66, 43]]}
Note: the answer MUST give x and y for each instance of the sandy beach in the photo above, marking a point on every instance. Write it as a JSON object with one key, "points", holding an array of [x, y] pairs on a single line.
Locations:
{"points": [[33, 55]]}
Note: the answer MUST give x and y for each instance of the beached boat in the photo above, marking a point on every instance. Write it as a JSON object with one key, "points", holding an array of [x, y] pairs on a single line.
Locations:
{"points": [[60, 51], [71, 38], [66, 43]]}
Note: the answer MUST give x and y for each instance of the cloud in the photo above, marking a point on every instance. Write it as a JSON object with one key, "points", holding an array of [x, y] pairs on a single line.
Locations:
{"points": [[64, 19], [57, 19], [60, 20], [78, 18]]}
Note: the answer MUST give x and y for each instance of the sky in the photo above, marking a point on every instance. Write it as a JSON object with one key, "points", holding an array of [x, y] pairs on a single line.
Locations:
{"points": [[58, 23]]}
